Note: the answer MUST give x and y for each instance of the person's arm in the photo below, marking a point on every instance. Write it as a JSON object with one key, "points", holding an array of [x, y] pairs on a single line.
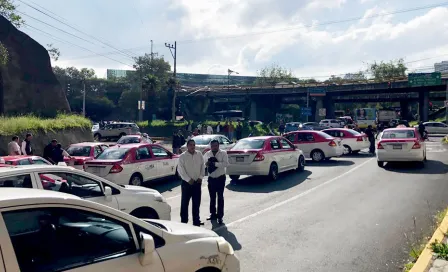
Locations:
{"points": [[206, 157], [16, 149], [24, 148], [225, 161], [202, 171], [181, 170]]}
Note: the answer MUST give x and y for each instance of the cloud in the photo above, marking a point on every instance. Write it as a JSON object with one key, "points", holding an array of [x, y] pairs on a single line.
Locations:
{"points": [[319, 4]]}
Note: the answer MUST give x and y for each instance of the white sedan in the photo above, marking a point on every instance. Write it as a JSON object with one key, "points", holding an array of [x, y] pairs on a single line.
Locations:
{"points": [[203, 142], [352, 140], [436, 128], [138, 201], [264, 156], [49, 231], [401, 145]]}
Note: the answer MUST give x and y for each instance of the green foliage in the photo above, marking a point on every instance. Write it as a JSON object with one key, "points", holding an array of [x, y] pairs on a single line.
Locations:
{"points": [[4, 55], [53, 52], [8, 10], [23, 124], [407, 267], [384, 71], [440, 249], [272, 75], [445, 140]]}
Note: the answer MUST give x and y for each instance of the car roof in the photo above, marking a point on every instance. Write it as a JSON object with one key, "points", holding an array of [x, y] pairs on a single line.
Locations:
{"points": [[400, 128], [18, 157], [34, 167], [136, 145], [88, 144], [22, 196], [132, 136], [262, 137], [207, 136]]}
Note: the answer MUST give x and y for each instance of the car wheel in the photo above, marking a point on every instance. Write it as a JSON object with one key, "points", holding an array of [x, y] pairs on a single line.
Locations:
{"points": [[347, 150], [136, 180], [234, 177], [145, 213], [97, 137], [317, 155], [301, 164], [273, 171], [380, 164]]}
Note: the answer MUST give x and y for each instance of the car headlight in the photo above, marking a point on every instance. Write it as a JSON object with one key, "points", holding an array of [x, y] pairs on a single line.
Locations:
{"points": [[159, 198], [224, 246]]}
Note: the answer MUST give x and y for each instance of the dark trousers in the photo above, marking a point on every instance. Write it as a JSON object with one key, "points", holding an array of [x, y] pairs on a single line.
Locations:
{"points": [[216, 189], [192, 192], [372, 145]]}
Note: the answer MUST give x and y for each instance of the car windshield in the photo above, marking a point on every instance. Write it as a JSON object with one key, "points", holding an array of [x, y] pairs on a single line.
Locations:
{"points": [[79, 151], [323, 134], [202, 140], [354, 132], [129, 140], [249, 144], [113, 154], [400, 134]]}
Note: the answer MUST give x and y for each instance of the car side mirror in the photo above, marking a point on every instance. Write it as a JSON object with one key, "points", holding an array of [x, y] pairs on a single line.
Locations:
{"points": [[147, 249], [154, 141], [107, 192]]}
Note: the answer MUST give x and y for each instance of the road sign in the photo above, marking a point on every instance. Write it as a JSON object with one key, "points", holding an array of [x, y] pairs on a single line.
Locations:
{"points": [[323, 112], [424, 79], [141, 105], [306, 111], [317, 91], [446, 103]]}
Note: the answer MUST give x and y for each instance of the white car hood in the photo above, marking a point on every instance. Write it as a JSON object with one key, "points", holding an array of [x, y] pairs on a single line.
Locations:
{"points": [[186, 231], [139, 189]]}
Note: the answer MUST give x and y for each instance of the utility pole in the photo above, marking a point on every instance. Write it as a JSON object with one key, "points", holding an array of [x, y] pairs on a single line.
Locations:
{"points": [[84, 98], [307, 102], [140, 103], [446, 104], [173, 50]]}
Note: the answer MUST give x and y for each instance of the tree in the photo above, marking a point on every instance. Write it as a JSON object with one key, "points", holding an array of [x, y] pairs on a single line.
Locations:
{"points": [[149, 65], [4, 55], [150, 85], [8, 10], [272, 75], [53, 51], [385, 71]]}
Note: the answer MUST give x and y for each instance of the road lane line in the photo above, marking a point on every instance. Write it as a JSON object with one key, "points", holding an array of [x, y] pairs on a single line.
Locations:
{"points": [[292, 198]]}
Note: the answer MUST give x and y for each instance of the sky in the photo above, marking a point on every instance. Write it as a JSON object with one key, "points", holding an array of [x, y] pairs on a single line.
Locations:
{"points": [[312, 38]]}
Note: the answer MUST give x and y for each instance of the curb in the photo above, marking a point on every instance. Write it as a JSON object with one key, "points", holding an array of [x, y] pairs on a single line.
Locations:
{"points": [[425, 257]]}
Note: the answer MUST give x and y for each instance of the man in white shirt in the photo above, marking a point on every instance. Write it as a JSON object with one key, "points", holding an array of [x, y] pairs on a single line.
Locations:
{"points": [[216, 161], [191, 169], [209, 129], [13, 146]]}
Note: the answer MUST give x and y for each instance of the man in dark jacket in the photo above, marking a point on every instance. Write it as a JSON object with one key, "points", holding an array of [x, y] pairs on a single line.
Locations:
{"points": [[177, 142], [48, 151], [371, 135], [26, 145]]}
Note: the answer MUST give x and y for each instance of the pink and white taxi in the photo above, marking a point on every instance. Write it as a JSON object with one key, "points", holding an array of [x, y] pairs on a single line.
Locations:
{"points": [[316, 145], [264, 156], [134, 164], [352, 140]]}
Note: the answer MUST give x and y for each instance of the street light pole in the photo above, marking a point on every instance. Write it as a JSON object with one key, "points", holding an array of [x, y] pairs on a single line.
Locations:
{"points": [[84, 98], [173, 50], [307, 103]]}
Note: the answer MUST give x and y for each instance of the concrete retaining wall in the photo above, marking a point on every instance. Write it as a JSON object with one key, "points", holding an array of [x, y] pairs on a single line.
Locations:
{"points": [[41, 138]]}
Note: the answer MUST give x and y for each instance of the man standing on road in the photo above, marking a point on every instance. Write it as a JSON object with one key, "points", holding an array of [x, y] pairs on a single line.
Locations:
{"points": [[48, 151], [371, 136], [13, 146], [239, 131], [176, 143], [191, 169], [26, 145], [216, 161], [422, 129]]}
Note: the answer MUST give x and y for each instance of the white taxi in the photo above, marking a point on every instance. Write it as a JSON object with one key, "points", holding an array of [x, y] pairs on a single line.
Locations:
{"points": [[316, 145], [401, 145], [134, 164], [264, 156], [203, 142], [49, 231], [138, 201], [352, 140]]}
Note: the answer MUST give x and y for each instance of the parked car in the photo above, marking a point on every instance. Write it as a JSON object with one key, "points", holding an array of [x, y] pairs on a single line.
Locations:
{"points": [[331, 123], [292, 126], [203, 142], [352, 141], [134, 164], [24, 160], [264, 156], [115, 130], [401, 145], [50, 231], [312, 126], [83, 152], [436, 128], [135, 139], [316, 145], [138, 201]]}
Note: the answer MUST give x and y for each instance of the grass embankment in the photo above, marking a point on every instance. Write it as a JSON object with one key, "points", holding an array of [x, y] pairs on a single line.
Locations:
{"points": [[29, 123]]}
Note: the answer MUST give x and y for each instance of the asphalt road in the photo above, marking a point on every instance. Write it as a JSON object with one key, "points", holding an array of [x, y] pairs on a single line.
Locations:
{"points": [[343, 215]]}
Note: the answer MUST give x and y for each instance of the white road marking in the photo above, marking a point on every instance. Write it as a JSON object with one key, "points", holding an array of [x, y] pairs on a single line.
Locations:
{"points": [[292, 198]]}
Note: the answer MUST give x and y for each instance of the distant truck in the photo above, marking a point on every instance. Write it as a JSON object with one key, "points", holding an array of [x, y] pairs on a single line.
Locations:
{"points": [[385, 117]]}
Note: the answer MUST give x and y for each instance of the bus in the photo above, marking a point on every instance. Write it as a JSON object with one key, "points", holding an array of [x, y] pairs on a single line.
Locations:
{"points": [[228, 115], [365, 117]]}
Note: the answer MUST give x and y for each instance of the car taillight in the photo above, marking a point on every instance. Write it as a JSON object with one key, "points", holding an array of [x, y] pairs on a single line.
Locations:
{"points": [[416, 145], [79, 162], [259, 157], [332, 143], [116, 169], [379, 146], [359, 139]]}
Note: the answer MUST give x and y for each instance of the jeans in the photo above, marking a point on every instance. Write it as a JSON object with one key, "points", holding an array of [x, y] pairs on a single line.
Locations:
{"points": [[231, 136], [192, 192], [372, 145], [216, 189]]}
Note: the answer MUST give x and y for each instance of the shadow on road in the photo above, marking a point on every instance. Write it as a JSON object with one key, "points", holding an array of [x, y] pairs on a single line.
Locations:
{"points": [[165, 185], [431, 167], [256, 184], [229, 236], [330, 163]]}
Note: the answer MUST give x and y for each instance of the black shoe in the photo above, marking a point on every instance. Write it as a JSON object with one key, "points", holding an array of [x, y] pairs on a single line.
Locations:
{"points": [[220, 221], [212, 217], [198, 224]]}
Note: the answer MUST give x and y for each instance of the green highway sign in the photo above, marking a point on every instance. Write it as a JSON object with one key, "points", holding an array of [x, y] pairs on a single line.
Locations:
{"points": [[424, 79]]}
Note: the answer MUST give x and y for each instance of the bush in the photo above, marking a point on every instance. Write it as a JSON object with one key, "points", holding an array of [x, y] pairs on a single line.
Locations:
{"points": [[445, 140], [29, 123]]}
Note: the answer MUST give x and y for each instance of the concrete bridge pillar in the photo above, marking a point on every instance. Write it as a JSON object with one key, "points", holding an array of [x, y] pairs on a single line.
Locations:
{"points": [[423, 101], [253, 110], [319, 105], [329, 105], [404, 110]]}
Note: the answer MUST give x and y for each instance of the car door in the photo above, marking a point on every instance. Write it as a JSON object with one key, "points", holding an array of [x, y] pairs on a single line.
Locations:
{"points": [[164, 164], [304, 144], [441, 128], [145, 163], [80, 239], [96, 151], [276, 153], [288, 153], [430, 128], [24, 180], [75, 184]]}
